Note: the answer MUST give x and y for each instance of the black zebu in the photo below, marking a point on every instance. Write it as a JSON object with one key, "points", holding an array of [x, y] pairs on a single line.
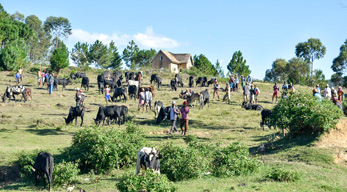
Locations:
{"points": [[119, 92], [44, 164], [85, 83], [158, 81], [132, 91], [110, 112], [101, 83], [63, 82], [75, 112], [191, 81], [153, 78]]}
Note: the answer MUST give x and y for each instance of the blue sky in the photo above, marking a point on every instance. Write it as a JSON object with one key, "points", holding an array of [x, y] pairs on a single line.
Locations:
{"points": [[262, 30]]}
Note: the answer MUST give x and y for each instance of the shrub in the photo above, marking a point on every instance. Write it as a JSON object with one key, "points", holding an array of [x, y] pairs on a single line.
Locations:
{"points": [[206, 149], [26, 161], [302, 113], [233, 160], [65, 173], [34, 69], [103, 149], [282, 174], [179, 163], [148, 180]]}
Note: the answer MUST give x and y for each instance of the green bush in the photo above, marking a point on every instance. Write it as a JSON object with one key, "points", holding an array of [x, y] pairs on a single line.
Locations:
{"points": [[206, 149], [34, 69], [282, 174], [180, 163], [104, 149], [233, 160], [303, 113], [149, 181], [65, 173], [26, 162]]}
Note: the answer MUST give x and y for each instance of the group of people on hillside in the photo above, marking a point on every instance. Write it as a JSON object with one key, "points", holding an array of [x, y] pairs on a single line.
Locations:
{"points": [[285, 90], [174, 112], [336, 96], [44, 77]]}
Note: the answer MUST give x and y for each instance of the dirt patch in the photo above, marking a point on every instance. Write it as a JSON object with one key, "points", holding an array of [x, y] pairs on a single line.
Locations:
{"points": [[337, 140], [167, 131]]}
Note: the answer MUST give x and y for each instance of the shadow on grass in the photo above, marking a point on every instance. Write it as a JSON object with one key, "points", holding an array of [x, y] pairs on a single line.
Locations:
{"points": [[44, 132]]}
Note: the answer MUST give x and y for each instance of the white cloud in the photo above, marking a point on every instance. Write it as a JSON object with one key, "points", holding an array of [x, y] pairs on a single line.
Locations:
{"points": [[145, 40]]}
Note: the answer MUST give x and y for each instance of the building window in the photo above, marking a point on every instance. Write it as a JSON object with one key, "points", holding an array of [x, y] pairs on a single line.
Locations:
{"points": [[161, 58]]}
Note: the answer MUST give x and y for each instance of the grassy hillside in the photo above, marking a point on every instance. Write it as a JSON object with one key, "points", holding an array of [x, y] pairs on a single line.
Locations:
{"points": [[39, 124]]}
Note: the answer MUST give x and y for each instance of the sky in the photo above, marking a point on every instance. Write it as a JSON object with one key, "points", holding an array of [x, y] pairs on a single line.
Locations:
{"points": [[262, 30]]}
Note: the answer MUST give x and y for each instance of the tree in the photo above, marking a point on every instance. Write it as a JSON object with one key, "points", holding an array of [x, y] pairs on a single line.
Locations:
{"points": [[18, 17], [60, 58], [58, 27], [100, 55], [238, 65], [143, 58], [219, 69], [339, 66], [269, 76], [310, 50], [129, 54], [204, 65], [79, 54], [337, 78], [298, 71], [13, 55], [279, 70], [116, 60]]}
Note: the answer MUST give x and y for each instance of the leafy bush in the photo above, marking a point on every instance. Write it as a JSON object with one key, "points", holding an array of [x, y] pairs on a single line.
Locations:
{"points": [[148, 180], [34, 69], [180, 163], [233, 160], [103, 149], [206, 149], [26, 161], [65, 173], [302, 113], [282, 174]]}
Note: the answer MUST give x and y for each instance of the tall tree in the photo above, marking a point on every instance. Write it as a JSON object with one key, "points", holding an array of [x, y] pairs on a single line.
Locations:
{"points": [[99, 54], [238, 65], [60, 58], [18, 17], [13, 55], [219, 69], [79, 54], [129, 54], [58, 27], [116, 60], [204, 65], [143, 58], [269, 76], [298, 71], [311, 50], [279, 70], [339, 65]]}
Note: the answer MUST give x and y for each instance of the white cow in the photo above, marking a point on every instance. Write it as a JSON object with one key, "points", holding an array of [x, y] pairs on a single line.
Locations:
{"points": [[148, 158]]}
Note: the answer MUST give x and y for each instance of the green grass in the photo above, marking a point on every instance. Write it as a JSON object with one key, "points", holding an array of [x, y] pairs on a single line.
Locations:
{"points": [[220, 123]]}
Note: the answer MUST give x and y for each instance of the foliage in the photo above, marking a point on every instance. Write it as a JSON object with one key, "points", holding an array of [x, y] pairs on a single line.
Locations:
{"points": [[58, 27], [116, 60], [104, 149], [282, 174], [13, 55], [238, 65], [65, 173], [26, 162], [204, 65], [279, 70], [219, 69], [79, 54], [59, 59], [143, 58], [302, 113], [149, 181], [339, 66], [34, 69], [311, 50], [180, 163], [233, 160], [269, 76], [129, 54]]}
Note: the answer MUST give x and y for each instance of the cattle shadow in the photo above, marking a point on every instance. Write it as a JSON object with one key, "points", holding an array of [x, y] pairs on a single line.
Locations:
{"points": [[45, 132], [268, 102], [59, 114]]}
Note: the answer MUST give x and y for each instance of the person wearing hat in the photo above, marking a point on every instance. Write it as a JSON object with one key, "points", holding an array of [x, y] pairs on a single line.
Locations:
{"points": [[216, 89], [317, 95], [185, 118], [227, 94], [173, 111], [327, 92], [340, 94]]}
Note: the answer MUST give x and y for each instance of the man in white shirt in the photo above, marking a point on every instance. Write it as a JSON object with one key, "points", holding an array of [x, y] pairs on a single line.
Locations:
{"points": [[173, 110], [327, 92]]}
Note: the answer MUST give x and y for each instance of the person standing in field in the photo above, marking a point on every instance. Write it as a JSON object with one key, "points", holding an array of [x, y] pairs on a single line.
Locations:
{"points": [[185, 118], [173, 110], [141, 99], [17, 77], [148, 99], [340, 94], [236, 82], [276, 92], [47, 77], [246, 89], [108, 97], [318, 89], [51, 83], [251, 91], [216, 89], [327, 92], [39, 78], [249, 80], [20, 70], [256, 93], [243, 82], [227, 94], [291, 88]]}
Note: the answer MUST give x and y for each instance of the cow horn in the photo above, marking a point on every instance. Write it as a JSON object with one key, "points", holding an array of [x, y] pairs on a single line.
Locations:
{"points": [[32, 168], [146, 152], [64, 118]]}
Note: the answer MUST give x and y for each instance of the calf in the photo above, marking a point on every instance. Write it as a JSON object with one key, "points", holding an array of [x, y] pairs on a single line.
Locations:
{"points": [[173, 85], [80, 75], [158, 81], [74, 113], [204, 98], [148, 158], [191, 81], [119, 92], [250, 106], [157, 106], [85, 83], [153, 78], [265, 118], [44, 164], [132, 91], [63, 82]]}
